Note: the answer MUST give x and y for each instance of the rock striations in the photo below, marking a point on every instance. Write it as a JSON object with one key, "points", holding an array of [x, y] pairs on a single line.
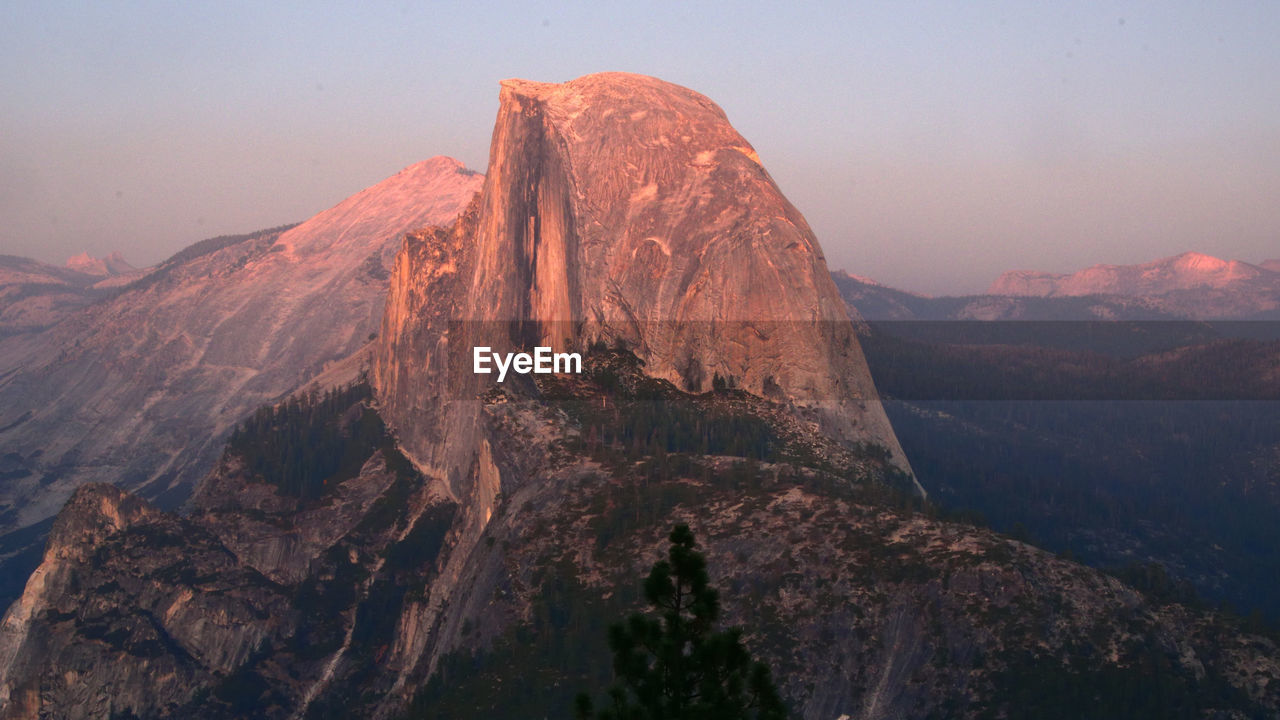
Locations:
{"points": [[623, 209], [464, 557], [140, 389], [616, 209]]}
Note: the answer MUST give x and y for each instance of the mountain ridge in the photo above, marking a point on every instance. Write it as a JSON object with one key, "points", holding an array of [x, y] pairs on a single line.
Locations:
{"points": [[1191, 283], [422, 541], [1189, 286], [112, 264], [35, 296], [137, 389]]}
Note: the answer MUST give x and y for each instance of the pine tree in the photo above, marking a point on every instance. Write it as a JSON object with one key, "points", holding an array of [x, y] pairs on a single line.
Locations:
{"points": [[676, 666]]}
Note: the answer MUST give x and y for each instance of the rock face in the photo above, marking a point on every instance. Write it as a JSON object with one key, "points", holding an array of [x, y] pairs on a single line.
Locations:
{"points": [[483, 586], [861, 611], [140, 389], [236, 610], [112, 587], [380, 597], [1191, 284], [616, 209], [624, 209]]}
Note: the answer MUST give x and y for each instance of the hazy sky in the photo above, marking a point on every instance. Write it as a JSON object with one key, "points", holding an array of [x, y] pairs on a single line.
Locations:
{"points": [[930, 145]]}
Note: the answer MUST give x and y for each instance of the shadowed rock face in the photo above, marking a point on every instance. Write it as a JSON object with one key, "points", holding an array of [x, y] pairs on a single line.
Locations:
{"points": [[130, 624], [626, 209]]}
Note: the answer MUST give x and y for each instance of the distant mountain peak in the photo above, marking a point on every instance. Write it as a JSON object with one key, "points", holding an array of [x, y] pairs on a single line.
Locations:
{"points": [[438, 164], [106, 266], [1186, 271], [438, 187], [1199, 260], [1192, 283], [858, 278]]}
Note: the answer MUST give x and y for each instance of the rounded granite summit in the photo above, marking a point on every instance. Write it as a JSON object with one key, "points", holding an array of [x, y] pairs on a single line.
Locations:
{"points": [[625, 209]]}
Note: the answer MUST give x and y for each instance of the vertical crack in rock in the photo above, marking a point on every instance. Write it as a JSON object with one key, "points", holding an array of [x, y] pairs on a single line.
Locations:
{"points": [[622, 208], [625, 209]]}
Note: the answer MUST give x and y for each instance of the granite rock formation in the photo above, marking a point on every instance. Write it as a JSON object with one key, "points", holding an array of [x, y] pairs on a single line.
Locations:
{"points": [[620, 210], [468, 555], [623, 209], [140, 389], [111, 587], [374, 597]]}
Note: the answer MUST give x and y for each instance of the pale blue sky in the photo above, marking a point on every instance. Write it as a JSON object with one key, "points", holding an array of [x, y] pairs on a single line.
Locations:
{"points": [[931, 145]]}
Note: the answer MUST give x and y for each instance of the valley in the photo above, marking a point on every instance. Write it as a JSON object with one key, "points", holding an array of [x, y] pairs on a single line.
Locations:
{"points": [[267, 479]]}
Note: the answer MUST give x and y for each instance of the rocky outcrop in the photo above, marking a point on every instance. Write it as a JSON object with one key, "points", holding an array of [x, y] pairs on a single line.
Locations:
{"points": [[140, 390], [863, 610], [277, 535], [255, 604], [869, 614], [136, 610]]}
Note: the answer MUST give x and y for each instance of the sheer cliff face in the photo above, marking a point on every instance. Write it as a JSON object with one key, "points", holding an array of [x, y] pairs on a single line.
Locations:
{"points": [[489, 580], [616, 208], [622, 208], [131, 626]]}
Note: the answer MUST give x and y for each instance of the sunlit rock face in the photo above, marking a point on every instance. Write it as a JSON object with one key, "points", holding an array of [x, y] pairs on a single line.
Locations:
{"points": [[139, 390], [626, 209], [383, 590], [620, 209]]}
